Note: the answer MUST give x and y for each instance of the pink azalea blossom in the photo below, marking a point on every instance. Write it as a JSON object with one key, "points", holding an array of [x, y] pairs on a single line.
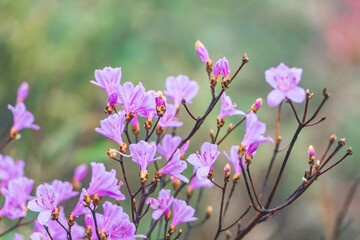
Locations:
{"points": [[22, 118], [16, 196], [204, 161], [198, 183], [169, 119], [161, 204], [136, 100], [80, 208], [108, 79], [228, 108], [22, 92], [181, 87], [104, 183], [64, 190], [284, 80], [169, 144], [234, 159], [175, 167], [182, 213], [254, 133], [143, 153], [9, 169], [221, 67], [202, 52], [112, 127]]}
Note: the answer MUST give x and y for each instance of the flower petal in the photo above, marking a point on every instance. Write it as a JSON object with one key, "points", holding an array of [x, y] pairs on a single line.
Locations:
{"points": [[275, 97], [296, 94]]}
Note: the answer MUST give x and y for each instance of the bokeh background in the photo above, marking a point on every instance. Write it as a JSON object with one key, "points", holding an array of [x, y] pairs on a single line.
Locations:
{"points": [[56, 45]]}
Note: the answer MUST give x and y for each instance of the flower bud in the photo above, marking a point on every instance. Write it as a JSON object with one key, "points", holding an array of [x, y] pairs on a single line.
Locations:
{"points": [[129, 117], [349, 151], [227, 173], [71, 221], [220, 122], [123, 148], [225, 83], [143, 175], [22, 92], [96, 200], [317, 165], [209, 212], [111, 153], [211, 174], [256, 105], [203, 55], [211, 133], [311, 152], [55, 213], [332, 139], [342, 141], [245, 58], [308, 94], [160, 104], [158, 175], [248, 159], [236, 178], [79, 174], [148, 124]]}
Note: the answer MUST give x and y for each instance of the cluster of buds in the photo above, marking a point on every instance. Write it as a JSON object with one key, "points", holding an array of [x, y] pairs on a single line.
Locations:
{"points": [[160, 104]]}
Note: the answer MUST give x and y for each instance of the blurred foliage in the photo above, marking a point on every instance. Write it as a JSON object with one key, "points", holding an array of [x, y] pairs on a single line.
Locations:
{"points": [[56, 45]]}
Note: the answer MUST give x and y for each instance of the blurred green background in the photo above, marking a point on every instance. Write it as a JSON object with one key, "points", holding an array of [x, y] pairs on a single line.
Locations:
{"points": [[56, 45]]}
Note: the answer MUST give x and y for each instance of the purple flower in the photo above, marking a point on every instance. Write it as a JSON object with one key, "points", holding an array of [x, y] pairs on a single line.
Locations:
{"points": [[112, 127], [204, 162], [104, 183], [175, 167], [169, 144], [22, 119], [108, 79], [113, 98], [234, 159], [179, 88], [202, 52], [22, 92], [182, 213], [162, 204], [16, 196], [221, 67], [169, 119], [143, 153], [18, 237], [198, 183], [228, 108], [79, 174], [9, 169], [284, 80], [80, 208], [64, 191], [254, 134], [44, 202], [135, 100]]}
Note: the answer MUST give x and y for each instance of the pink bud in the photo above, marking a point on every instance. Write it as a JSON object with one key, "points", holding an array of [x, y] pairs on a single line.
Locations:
{"points": [[80, 172], [311, 151], [202, 52], [22, 92]]}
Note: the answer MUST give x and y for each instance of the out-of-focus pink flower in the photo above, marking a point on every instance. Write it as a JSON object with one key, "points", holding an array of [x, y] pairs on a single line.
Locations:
{"points": [[175, 167], [228, 108], [79, 174], [202, 52], [22, 119], [18, 237], [143, 153], [104, 183], [161, 204], [16, 196], [22, 92], [311, 151], [204, 161], [135, 100], [112, 127], [9, 169], [169, 119], [284, 80], [169, 144], [182, 213], [181, 87]]}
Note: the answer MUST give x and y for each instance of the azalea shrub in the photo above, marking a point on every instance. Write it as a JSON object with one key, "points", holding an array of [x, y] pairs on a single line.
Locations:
{"points": [[166, 192]]}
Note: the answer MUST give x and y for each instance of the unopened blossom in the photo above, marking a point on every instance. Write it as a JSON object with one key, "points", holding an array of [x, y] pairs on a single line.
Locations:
{"points": [[161, 204], [113, 126], [44, 202], [202, 52], [16, 196], [169, 119], [204, 161], [104, 183], [311, 151], [22, 119], [10, 169], [22, 92], [221, 67], [143, 153], [80, 208], [256, 105], [169, 144], [160, 102], [108, 79], [64, 190], [181, 87], [234, 159], [284, 80], [135, 100], [56, 230], [182, 213], [254, 134], [175, 167], [79, 174], [228, 108]]}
